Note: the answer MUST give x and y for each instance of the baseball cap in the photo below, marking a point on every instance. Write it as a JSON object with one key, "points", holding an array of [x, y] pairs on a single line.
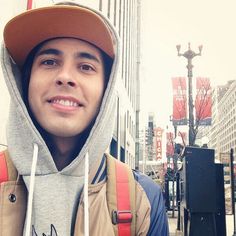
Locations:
{"points": [[25, 31]]}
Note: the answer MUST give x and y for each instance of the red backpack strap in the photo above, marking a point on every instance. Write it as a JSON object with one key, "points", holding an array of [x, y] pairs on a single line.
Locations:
{"points": [[8, 171], [3, 168], [121, 197]]}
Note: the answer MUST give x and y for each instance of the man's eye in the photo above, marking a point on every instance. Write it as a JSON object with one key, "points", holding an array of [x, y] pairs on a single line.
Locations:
{"points": [[49, 62], [86, 67]]}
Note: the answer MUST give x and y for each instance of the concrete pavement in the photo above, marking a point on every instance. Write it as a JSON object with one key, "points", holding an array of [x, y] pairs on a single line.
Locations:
{"points": [[173, 225]]}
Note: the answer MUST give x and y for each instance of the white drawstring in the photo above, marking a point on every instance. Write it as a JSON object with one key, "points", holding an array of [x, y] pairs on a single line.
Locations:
{"points": [[31, 190], [86, 203]]}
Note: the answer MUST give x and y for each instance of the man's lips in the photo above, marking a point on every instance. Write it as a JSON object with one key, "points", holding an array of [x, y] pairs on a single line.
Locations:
{"points": [[65, 101]]}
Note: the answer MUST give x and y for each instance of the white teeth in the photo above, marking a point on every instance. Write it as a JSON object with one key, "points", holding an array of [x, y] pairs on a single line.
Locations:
{"points": [[66, 103]]}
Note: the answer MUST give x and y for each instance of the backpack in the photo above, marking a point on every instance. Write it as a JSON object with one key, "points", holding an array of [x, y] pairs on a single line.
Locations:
{"points": [[120, 191]]}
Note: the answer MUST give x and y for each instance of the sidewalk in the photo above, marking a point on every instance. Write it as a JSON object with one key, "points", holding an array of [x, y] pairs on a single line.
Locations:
{"points": [[173, 224]]}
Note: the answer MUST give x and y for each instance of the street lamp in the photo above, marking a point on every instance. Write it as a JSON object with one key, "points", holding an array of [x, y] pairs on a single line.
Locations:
{"points": [[189, 54]]}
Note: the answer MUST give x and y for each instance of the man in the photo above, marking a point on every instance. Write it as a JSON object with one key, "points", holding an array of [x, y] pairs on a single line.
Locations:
{"points": [[60, 64]]}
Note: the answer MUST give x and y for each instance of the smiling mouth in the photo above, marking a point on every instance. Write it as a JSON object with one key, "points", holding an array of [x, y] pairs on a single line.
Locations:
{"points": [[65, 102]]}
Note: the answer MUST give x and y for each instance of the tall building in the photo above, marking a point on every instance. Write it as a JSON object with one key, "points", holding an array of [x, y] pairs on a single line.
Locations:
{"points": [[223, 130], [151, 161], [125, 16]]}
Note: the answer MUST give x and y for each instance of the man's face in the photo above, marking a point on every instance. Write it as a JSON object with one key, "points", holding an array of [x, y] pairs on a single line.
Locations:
{"points": [[66, 86]]}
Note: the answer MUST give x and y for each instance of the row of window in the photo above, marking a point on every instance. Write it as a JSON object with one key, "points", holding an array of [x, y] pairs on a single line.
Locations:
{"points": [[130, 160], [130, 125], [124, 16], [227, 121]]}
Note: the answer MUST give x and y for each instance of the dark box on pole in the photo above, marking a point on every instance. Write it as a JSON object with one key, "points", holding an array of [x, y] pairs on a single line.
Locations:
{"points": [[198, 180]]}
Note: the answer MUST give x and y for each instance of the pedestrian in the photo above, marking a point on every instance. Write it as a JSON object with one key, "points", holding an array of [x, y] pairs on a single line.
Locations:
{"points": [[60, 64]]}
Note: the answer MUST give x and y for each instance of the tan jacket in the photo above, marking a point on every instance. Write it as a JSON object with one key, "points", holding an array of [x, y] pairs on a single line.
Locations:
{"points": [[12, 214]]}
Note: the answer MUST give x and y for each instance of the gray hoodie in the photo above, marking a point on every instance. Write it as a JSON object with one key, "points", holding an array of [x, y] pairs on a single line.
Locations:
{"points": [[55, 193]]}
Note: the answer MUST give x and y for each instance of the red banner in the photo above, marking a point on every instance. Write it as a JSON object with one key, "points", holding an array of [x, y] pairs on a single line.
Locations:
{"points": [[203, 101], [169, 144], [179, 116], [158, 139]]}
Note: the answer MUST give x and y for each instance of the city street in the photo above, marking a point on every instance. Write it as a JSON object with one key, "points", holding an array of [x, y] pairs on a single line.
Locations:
{"points": [[172, 98], [173, 224]]}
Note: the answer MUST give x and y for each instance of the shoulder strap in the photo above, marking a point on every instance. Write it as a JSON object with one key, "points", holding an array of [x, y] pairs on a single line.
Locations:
{"points": [[8, 171], [121, 196], [3, 168]]}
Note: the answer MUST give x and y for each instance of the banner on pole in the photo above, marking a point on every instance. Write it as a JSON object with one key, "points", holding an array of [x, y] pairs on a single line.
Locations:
{"points": [[158, 137], [179, 116], [169, 144], [203, 102]]}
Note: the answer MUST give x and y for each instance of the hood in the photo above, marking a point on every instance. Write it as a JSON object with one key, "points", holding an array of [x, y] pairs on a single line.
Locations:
{"points": [[53, 194], [22, 133]]}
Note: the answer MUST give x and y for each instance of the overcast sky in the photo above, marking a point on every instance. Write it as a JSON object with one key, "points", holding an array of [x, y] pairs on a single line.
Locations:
{"points": [[166, 23]]}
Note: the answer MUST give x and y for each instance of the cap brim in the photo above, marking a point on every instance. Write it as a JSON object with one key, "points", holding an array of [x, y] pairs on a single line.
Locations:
{"points": [[25, 31]]}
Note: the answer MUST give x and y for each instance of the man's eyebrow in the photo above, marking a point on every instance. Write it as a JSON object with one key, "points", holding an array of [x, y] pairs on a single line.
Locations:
{"points": [[57, 52], [87, 55], [52, 51]]}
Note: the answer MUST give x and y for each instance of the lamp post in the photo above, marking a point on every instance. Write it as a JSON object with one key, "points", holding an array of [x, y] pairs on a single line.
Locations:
{"points": [[189, 55], [178, 150]]}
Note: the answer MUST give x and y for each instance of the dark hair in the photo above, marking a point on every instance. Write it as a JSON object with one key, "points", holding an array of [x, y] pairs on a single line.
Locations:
{"points": [[27, 67], [26, 71]]}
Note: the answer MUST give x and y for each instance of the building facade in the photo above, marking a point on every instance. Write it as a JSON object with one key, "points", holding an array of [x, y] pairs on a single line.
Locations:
{"points": [[125, 16], [223, 130]]}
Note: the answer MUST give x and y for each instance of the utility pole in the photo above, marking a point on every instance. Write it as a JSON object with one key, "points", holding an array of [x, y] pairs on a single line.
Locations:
{"points": [[189, 55]]}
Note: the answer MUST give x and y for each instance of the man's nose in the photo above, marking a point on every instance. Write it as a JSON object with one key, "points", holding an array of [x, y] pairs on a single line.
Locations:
{"points": [[65, 77], [63, 82]]}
